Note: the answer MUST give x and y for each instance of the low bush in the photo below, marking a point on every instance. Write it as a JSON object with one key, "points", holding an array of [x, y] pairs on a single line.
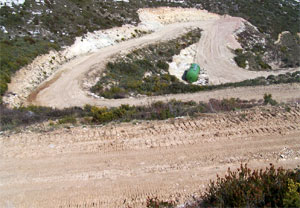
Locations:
{"points": [[240, 58], [169, 84], [269, 100], [11, 118], [160, 110], [246, 188], [258, 49], [292, 196], [67, 120]]}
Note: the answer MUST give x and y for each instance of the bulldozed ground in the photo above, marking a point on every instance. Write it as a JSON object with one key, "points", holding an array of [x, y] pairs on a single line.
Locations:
{"points": [[120, 165]]}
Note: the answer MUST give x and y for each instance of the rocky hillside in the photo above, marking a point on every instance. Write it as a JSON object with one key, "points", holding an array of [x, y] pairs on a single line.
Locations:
{"points": [[37, 26]]}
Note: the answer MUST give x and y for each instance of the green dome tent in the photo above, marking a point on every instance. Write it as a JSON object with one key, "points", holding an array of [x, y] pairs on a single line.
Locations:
{"points": [[193, 73]]}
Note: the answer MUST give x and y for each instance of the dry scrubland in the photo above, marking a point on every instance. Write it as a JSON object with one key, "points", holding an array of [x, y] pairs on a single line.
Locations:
{"points": [[119, 165]]}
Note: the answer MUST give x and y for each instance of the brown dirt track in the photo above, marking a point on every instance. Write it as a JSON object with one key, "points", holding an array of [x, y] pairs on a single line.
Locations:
{"points": [[213, 53], [121, 164]]}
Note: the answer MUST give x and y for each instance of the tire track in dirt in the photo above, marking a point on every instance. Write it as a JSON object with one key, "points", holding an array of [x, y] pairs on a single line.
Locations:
{"points": [[119, 165], [152, 135]]}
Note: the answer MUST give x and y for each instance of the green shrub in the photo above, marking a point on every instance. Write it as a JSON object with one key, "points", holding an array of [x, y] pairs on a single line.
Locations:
{"points": [[262, 64], [240, 59], [268, 100], [162, 65], [292, 196], [67, 119], [17, 53], [247, 188]]}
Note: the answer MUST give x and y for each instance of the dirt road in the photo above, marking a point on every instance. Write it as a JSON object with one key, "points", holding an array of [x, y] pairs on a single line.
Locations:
{"points": [[121, 164], [65, 89]]}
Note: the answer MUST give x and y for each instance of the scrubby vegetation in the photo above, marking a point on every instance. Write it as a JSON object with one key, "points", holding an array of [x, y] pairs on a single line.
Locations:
{"points": [[244, 187], [17, 53], [270, 16], [11, 118], [145, 70], [57, 23], [141, 72], [269, 100], [247, 188], [161, 110], [260, 51]]}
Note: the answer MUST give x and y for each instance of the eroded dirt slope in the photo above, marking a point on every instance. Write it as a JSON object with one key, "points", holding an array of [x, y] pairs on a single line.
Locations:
{"points": [[121, 164]]}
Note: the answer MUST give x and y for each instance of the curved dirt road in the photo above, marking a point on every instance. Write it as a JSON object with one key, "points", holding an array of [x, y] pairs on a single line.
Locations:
{"points": [[120, 165], [64, 89]]}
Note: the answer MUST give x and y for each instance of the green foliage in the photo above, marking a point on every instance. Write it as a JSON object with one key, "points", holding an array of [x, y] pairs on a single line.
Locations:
{"points": [[292, 196], [162, 65], [126, 76], [263, 65], [11, 118], [257, 53], [289, 49], [102, 114], [67, 120], [270, 16], [268, 100], [255, 61], [240, 59], [17, 53], [247, 188], [166, 83], [160, 110]]}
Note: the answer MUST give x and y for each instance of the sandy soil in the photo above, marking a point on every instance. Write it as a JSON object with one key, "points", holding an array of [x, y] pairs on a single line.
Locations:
{"points": [[121, 164]]}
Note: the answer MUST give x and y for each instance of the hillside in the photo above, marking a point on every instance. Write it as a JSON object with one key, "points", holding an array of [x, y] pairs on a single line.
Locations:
{"points": [[36, 27]]}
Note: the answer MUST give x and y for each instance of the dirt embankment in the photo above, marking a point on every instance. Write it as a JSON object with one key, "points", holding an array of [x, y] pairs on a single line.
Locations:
{"points": [[119, 165]]}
